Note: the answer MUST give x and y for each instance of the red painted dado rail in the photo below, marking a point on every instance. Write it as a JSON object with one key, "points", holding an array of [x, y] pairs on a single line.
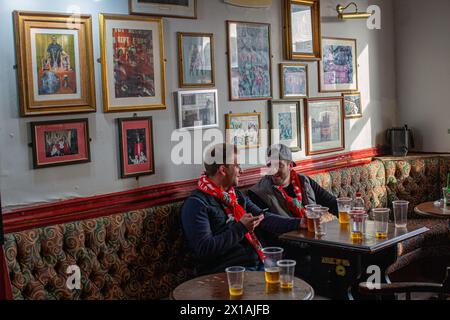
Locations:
{"points": [[103, 205]]}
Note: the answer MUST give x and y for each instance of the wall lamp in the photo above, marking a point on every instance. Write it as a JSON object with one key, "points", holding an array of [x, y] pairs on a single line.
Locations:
{"points": [[351, 15]]}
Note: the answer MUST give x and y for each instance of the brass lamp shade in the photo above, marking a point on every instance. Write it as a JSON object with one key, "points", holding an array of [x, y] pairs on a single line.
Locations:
{"points": [[351, 15]]}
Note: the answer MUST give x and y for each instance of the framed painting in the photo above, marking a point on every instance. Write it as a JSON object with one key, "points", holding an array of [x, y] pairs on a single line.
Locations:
{"points": [[198, 109], [165, 8], [132, 54], [285, 124], [352, 103], [249, 61], [195, 60], [294, 80], [302, 29], [338, 70], [324, 125], [136, 147], [59, 143], [243, 129], [55, 64]]}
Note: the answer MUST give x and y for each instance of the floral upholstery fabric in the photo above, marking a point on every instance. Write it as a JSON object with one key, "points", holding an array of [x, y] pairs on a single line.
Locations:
{"points": [[444, 169], [134, 255]]}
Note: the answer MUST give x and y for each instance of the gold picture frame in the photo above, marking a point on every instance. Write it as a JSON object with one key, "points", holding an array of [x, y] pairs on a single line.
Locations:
{"points": [[182, 63], [123, 92], [352, 100], [55, 64], [243, 142], [314, 45]]}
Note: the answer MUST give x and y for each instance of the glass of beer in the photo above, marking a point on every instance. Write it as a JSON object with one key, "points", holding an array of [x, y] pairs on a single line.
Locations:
{"points": [[271, 257], [235, 277], [287, 268], [357, 222], [320, 228], [310, 215], [344, 206], [381, 218]]}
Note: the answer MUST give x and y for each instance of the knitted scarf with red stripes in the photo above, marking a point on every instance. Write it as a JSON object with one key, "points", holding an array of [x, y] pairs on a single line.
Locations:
{"points": [[295, 205]]}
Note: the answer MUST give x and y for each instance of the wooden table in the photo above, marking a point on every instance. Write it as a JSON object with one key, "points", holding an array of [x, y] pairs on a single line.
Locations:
{"points": [[340, 264], [215, 287], [428, 209]]}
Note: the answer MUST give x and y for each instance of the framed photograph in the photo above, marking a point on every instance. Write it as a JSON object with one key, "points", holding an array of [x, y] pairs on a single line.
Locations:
{"points": [[198, 109], [249, 61], [324, 125], [136, 147], [338, 70], [352, 103], [195, 59], [294, 80], [302, 29], [285, 124], [132, 54], [165, 8], [60, 143], [243, 129], [55, 64]]}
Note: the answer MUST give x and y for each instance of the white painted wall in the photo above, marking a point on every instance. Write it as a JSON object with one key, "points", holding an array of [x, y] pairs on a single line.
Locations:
{"points": [[21, 185], [423, 70]]}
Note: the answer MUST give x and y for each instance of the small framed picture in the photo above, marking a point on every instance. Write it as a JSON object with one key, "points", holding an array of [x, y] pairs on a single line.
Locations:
{"points": [[198, 109], [285, 124], [60, 143], [338, 70], [195, 60], [324, 125], [294, 80], [243, 129], [165, 8], [136, 146], [352, 103]]}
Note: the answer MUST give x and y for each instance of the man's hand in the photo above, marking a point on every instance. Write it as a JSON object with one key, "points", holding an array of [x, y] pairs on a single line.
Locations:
{"points": [[251, 222], [328, 217]]}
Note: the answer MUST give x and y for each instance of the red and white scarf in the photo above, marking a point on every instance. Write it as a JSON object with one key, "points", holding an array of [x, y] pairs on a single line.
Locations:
{"points": [[232, 207], [295, 205]]}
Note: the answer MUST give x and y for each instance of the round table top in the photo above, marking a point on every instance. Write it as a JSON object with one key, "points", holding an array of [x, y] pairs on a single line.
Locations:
{"points": [[215, 287], [428, 209]]}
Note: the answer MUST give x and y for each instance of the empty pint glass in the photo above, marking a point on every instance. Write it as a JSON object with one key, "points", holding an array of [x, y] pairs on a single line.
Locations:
{"points": [[287, 268], [400, 213], [357, 222], [381, 219], [271, 257], [320, 227], [235, 276]]}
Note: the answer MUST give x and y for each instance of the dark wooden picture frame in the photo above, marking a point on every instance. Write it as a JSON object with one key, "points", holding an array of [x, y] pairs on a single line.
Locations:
{"points": [[352, 115], [44, 153], [308, 132], [282, 81], [272, 106], [141, 167]]}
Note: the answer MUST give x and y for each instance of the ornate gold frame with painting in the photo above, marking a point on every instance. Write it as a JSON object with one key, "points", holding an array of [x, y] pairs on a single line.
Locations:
{"points": [[55, 63], [153, 94], [314, 52], [229, 139]]}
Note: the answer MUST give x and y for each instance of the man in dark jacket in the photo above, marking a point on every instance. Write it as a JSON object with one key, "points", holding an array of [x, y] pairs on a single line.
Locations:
{"points": [[219, 222]]}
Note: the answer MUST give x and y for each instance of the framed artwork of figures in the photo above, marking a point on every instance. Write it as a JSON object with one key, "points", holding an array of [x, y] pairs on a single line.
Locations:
{"points": [[55, 63], [60, 143], [285, 123], [243, 129], [249, 61], [302, 29], [195, 59], [132, 54], [324, 125], [198, 109], [166, 8], [338, 70], [136, 147], [294, 80], [352, 103]]}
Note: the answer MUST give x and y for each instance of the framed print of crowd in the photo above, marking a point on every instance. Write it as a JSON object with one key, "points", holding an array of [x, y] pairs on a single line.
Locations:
{"points": [[166, 8], [249, 61], [198, 109], [243, 129], [61, 142], [324, 125], [55, 63], [285, 124], [352, 103], [132, 63], [195, 60], [136, 146], [294, 80], [338, 70]]}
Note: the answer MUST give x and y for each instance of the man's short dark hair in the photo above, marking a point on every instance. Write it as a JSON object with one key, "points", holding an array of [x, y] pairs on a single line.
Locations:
{"points": [[220, 154]]}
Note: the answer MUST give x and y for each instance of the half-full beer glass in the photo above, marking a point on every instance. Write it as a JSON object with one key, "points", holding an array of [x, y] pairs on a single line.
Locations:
{"points": [[271, 257], [344, 206]]}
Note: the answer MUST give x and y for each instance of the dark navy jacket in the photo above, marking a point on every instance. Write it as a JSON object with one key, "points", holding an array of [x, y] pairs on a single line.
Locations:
{"points": [[219, 242]]}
